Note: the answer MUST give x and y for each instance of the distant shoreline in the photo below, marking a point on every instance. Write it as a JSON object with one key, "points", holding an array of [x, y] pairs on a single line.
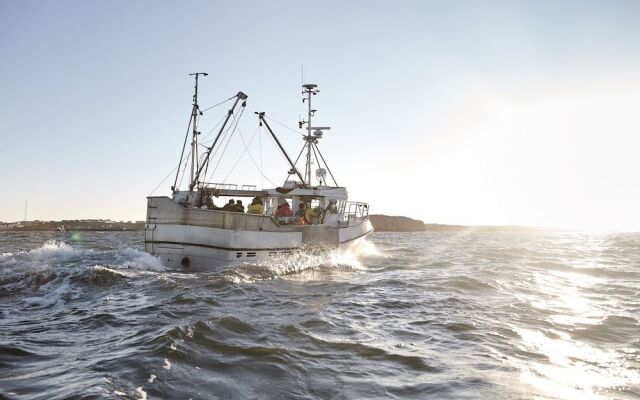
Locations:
{"points": [[72, 225], [381, 223], [387, 223]]}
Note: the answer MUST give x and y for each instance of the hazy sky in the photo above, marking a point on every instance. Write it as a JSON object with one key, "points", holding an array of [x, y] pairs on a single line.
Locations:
{"points": [[460, 112]]}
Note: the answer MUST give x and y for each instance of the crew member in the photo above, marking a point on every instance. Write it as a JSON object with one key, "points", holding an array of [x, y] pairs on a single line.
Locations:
{"points": [[256, 206], [239, 207], [230, 206], [301, 214]]}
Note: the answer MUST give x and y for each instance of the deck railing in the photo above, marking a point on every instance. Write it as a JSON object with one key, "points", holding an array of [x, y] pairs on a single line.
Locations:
{"points": [[355, 212]]}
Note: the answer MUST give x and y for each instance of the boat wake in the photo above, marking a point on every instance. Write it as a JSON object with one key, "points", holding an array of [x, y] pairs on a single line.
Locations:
{"points": [[55, 266], [306, 259], [56, 271]]}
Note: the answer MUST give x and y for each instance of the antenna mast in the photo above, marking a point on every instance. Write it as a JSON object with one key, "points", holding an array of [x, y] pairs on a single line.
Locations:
{"points": [[194, 119], [310, 89]]}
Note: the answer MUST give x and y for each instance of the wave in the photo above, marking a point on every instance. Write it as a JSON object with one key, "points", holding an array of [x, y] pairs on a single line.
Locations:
{"points": [[611, 272], [52, 270], [467, 283], [305, 259], [612, 329], [130, 258]]}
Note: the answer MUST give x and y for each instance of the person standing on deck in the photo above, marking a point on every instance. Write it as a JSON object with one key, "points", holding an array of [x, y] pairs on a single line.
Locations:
{"points": [[256, 206], [301, 214], [230, 206], [239, 207]]}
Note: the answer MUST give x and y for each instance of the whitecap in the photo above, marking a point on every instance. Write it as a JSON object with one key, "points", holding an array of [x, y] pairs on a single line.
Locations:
{"points": [[139, 260], [143, 394]]}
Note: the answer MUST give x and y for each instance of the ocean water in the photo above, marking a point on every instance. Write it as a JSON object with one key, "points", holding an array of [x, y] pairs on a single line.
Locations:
{"points": [[410, 315]]}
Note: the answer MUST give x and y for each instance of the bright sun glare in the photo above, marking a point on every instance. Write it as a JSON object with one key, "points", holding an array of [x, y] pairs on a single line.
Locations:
{"points": [[559, 157]]}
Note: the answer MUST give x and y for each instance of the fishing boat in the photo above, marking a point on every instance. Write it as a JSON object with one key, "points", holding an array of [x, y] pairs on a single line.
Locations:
{"points": [[187, 231]]}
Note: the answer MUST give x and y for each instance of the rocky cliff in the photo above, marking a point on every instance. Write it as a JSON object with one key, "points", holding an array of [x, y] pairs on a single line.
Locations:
{"points": [[386, 223]]}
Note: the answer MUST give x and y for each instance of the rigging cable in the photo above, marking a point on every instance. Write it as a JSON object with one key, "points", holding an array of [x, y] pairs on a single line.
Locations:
{"points": [[211, 131], [228, 141], [259, 168], [246, 149], [160, 184], [217, 104], [283, 125], [326, 165], [184, 169], [222, 139], [278, 146], [183, 147], [296, 162], [316, 156]]}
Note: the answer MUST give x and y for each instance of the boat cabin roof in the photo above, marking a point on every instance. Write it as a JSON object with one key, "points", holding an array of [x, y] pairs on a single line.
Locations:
{"points": [[338, 193]]}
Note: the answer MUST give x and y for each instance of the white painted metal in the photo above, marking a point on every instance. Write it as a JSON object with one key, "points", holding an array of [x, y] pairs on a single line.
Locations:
{"points": [[195, 239]]}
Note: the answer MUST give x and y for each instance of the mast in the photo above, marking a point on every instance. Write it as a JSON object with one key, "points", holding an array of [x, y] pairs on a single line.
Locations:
{"points": [[310, 89], [194, 119], [205, 162]]}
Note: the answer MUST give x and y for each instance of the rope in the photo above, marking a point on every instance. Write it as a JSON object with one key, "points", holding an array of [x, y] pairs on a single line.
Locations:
{"points": [[296, 162], [278, 147], [246, 149], [317, 160], [326, 165], [218, 104], [222, 139], [212, 129], [184, 169], [262, 172], [183, 147], [167, 177], [215, 151], [283, 125], [228, 141], [252, 158]]}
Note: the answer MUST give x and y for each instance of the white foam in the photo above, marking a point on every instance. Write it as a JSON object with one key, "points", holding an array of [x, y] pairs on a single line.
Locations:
{"points": [[152, 378], [40, 258], [142, 393], [49, 298], [365, 248], [167, 364], [139, 260], [309, 257]]}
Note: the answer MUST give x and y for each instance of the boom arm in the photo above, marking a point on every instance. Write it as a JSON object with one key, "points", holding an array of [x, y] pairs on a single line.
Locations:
{"points": [[262, 120], [205, 161]]}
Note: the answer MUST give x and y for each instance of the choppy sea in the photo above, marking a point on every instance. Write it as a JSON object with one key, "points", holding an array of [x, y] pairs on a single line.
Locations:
{"points": [[554, 315]]}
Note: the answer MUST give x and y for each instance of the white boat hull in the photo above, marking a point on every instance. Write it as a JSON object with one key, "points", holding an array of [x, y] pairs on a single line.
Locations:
{"points": [[195, 239]]}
